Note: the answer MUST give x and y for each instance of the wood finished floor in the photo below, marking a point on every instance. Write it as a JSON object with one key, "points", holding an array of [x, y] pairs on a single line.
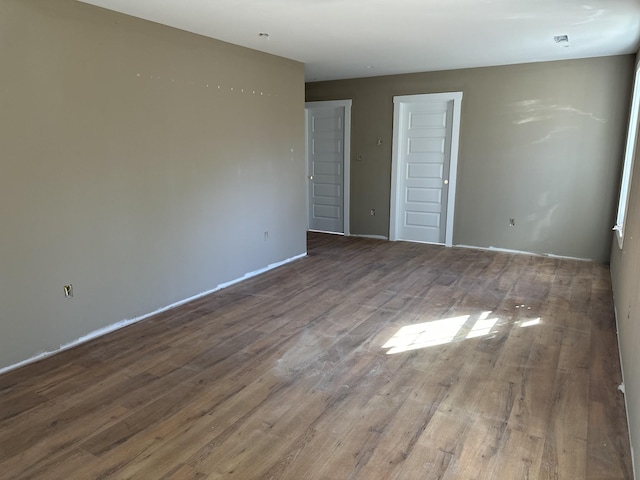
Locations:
{"points": [[365, 360]]}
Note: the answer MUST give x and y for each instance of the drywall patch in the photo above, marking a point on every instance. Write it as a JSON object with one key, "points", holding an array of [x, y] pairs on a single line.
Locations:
{"points": [[553, 133], [537, 111]]}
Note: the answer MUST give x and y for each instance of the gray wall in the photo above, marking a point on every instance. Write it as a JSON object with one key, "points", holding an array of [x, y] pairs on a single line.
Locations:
{"points": [[625, 273], [541, 143], [138, 164]]}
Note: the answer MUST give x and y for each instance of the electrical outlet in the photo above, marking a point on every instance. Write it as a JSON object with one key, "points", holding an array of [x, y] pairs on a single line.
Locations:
{"points": [[68, 291], [266, 236], [512, 222], [372, 212]]}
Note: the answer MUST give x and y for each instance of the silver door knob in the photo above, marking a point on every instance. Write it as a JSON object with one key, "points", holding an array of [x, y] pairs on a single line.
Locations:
{"points": [[310, 177], [446, 182]]}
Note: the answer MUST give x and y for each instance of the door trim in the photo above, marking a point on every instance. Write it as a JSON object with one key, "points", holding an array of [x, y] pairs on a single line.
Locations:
{"points": [[346, 156], [453, 162]]}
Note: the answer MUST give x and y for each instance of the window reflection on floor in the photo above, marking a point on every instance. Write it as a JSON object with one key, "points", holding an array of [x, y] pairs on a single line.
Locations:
{"points": [[447, 330]]}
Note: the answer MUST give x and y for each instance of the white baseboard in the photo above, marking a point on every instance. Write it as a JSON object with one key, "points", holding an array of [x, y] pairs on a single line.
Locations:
{"points": [[375, 237], [325, 231], [523, 252], [123, 323], [626, 406]]}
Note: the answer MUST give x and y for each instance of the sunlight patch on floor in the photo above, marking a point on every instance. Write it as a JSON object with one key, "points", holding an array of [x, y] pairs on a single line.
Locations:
{"points": [[427, 334], [482, 326], [530, 323], [446, 330]]}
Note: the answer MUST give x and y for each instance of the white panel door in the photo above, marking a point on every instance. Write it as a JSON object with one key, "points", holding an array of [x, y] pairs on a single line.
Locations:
{"points": [[423, 136], [326, 156]]}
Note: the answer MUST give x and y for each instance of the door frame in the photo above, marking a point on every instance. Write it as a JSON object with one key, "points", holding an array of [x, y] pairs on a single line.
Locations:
{"points": [[346, 156], [398, 101]]}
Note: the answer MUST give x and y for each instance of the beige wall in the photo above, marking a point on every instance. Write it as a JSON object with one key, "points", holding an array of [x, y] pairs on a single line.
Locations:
{"points": [[625, 272], [141, 163], [541, 143]]}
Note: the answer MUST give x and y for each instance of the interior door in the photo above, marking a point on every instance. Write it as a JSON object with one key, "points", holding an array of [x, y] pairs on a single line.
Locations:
{"points": [[423, 145], [327, 157]]}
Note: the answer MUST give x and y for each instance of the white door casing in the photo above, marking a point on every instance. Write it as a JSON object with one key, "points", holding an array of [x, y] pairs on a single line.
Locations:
{"points": [[424, 164], [328, 134]]}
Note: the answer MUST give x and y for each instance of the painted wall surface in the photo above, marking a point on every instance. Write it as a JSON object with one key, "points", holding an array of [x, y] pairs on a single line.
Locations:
{"points": [[625, 274], [541, 143], [140, 163]]}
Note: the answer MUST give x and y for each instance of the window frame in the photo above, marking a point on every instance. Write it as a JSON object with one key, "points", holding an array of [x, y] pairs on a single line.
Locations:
{"points": [[629, 157]]}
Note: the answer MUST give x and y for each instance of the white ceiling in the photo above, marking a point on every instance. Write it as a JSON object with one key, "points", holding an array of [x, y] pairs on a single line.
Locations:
{"points": [[338, 39]]}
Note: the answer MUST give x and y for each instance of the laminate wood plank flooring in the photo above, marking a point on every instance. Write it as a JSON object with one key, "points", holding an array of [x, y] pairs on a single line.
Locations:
{"points": [[365, 360]]}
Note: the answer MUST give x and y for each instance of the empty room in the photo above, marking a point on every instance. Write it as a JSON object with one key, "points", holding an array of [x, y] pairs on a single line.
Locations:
{"points": [[320, 240]]}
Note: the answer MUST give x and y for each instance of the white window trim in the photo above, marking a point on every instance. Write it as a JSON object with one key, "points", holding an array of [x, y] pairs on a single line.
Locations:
{"points": [[629, 156]]}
